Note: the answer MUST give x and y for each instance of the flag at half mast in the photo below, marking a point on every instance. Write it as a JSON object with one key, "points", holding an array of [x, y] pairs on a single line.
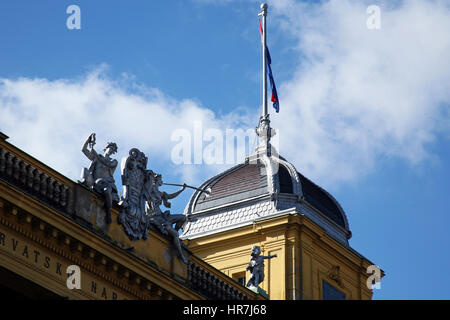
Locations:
{"points": [[274, 98]]}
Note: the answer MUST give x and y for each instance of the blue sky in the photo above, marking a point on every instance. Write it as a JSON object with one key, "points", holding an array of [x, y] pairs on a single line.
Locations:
{"points": [[364, 113]]}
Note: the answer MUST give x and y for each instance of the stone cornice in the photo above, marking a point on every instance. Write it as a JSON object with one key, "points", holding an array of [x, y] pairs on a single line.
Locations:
{"points": [[89, 257]]}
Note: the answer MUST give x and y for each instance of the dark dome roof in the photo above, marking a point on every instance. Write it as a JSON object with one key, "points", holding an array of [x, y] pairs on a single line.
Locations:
{"points": [[249, 177], [264, 186], [249, 180], [322, 200]]}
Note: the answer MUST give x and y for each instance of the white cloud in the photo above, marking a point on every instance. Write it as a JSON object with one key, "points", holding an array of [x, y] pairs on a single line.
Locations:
{"points": [[52, 119]]}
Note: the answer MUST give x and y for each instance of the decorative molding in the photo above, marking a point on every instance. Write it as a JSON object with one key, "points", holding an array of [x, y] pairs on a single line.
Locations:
{"points": [[64, 247], [334, 274]]}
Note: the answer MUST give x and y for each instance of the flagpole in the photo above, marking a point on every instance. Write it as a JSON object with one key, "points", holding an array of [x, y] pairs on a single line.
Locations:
{"points": [[264, 7], [263, 130]]}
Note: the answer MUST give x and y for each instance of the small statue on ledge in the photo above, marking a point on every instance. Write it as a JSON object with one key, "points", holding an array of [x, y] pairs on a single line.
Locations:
{"points": [[100, 174], [256, 267], [165, 221]]}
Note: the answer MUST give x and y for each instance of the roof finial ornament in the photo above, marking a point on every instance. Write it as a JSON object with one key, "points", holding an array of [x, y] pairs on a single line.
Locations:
{"points": [[264, 131]]}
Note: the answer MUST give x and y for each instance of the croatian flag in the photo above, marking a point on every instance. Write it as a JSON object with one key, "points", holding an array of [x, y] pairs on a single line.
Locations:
{"points": [[274, 97]]}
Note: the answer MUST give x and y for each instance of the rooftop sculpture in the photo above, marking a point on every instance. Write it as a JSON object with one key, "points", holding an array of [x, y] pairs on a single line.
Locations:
{"points": [[166, 223], [99, 175], [137, 183], [141, 201]]}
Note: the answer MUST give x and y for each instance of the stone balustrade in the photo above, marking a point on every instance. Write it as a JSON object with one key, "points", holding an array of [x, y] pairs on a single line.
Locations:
{"points": [[25, 176], [212, 287]]}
